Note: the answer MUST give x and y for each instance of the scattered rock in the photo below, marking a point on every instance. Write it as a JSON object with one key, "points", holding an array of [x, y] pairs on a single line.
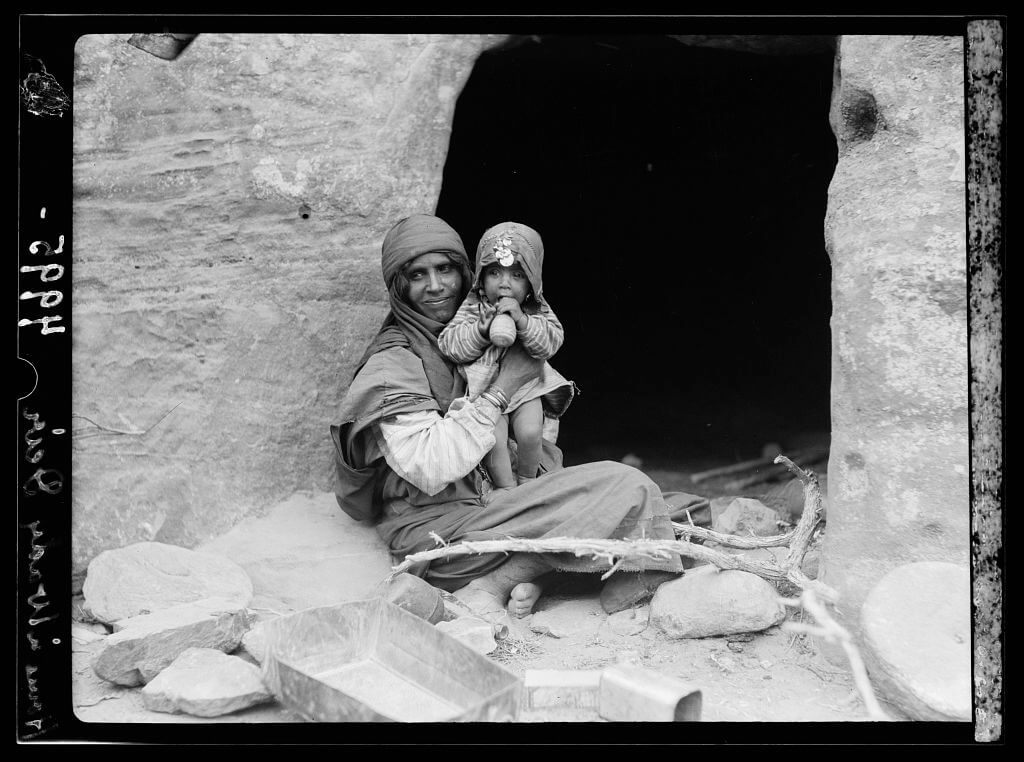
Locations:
{"points": [[631, 621], [709, 602], [151, 576], [475, 633], [87, 633], [254, 643], [746, 516], [917, 630], [415, 595], [631, 459], [811, 563], [205, 682], [775, 556], [725, 663], [144, 645]]}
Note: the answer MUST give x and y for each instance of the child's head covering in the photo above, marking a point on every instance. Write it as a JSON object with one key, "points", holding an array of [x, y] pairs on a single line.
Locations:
{"points": [[510, 242]]}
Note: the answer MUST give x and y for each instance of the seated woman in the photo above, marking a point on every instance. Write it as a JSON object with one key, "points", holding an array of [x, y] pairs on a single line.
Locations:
{"points": [[409, 447]]}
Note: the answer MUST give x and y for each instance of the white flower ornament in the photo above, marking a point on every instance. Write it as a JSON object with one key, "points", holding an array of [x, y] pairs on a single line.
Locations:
{"points": [[503, 251]]}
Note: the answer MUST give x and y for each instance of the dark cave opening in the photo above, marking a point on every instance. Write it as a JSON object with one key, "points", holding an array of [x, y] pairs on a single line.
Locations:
{"points": [[681, 195]]}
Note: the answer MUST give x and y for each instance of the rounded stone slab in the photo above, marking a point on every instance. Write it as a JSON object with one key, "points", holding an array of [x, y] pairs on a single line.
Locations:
{"points": [[917, 629], [151, 576]]}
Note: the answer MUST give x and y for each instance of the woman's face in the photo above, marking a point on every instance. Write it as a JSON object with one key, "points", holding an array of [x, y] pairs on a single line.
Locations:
{"points": [[500, 281], [435, 286]]}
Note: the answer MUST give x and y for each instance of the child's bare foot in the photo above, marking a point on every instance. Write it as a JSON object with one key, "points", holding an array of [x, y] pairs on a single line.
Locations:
{"points": [[523, 598]]}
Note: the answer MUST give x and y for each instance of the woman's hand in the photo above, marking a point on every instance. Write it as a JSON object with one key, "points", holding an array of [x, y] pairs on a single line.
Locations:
{"points": [[517, 368]]}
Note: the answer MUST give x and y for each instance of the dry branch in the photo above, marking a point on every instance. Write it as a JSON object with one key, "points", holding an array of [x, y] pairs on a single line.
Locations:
{"points": [[772, 472], [616, 551], [731, 540], [748, 465], [831, 631]]}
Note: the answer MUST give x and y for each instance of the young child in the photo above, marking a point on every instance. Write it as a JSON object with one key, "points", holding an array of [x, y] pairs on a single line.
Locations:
{"points": [[506, 304]]}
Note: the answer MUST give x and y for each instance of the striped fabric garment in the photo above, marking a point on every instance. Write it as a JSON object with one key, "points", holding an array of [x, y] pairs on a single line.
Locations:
{"points": [[461, 341]]}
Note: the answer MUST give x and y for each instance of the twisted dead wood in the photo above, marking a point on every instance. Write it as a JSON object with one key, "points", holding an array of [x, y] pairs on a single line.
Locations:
{"points": [[617, 551], [832, 631]]}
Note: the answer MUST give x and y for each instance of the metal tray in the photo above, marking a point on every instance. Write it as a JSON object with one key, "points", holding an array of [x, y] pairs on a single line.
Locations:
{"points": [[371, 661]]}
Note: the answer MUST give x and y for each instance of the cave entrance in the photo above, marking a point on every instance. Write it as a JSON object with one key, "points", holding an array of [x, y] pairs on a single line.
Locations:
{"points": [[681, 195]]}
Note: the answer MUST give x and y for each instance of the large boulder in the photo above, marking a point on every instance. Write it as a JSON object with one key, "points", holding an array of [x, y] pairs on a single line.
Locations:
{"points": [[229, 208], [707, 602], [151, 576], [205, 682], [895, 230]]}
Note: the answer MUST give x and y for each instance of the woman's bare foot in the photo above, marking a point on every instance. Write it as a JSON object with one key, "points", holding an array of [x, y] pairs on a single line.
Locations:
{"points": [[481, 599], [523, 598]]}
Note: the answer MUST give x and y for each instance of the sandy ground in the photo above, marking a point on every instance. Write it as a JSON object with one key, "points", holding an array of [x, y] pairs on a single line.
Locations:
{"points": [[763, 678], [771, 676]]}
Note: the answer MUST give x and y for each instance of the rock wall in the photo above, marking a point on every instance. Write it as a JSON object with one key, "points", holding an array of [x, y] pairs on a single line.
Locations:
{"points": [[228, 212], [229, 207], [896, 234]]}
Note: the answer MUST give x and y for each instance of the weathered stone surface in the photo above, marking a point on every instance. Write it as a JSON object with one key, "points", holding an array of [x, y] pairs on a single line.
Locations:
{"points": [[708, 602], [475, 633], [205, 682], [415, 595], [917, 631], [147, 577], [144, 645], [229, 208], [306, 537], [896, 234], [745, 516]]}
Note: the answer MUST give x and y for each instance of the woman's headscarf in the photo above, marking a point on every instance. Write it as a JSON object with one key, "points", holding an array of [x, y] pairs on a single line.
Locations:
{"points": [[404, 326]]}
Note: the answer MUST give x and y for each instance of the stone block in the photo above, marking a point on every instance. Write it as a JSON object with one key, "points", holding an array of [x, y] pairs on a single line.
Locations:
{"points": [[205, 682], [145, 645]]}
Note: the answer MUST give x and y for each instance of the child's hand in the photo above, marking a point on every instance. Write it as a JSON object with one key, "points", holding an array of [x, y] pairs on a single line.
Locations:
{"points": [[511, 307], [487, 313]]}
